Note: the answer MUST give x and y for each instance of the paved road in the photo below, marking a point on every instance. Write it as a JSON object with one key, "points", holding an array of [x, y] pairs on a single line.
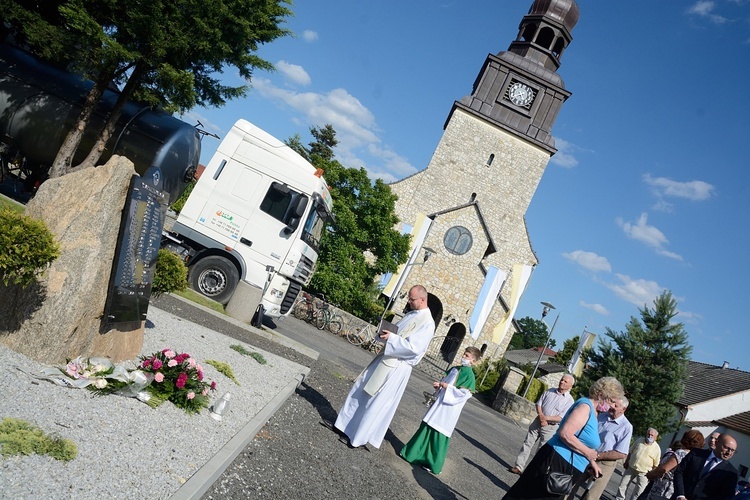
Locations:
{"points": [[293, 456]]}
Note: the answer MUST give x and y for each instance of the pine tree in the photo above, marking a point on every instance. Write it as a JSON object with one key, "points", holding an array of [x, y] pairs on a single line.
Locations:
{"points": [[650, 359]]}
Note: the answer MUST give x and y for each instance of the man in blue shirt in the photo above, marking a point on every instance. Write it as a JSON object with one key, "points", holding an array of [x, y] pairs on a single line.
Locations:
{"points": [[615, 432]]}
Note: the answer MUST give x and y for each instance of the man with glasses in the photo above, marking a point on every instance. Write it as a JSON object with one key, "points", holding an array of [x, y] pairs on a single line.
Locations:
{"points": [[371, 404], [707, 474]]}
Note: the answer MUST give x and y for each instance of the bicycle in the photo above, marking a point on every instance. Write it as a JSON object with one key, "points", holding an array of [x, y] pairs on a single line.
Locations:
{"points": [[325, 318], [364, 336], [304, 308]]}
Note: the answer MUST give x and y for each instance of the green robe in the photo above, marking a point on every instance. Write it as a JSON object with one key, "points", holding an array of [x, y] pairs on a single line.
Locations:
{"points": [[429, 447]]}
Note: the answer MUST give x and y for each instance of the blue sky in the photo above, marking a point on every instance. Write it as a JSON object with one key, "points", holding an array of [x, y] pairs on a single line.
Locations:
{"points": [[649, 189]]}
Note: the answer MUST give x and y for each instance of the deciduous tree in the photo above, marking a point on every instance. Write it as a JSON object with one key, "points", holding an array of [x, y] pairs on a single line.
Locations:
{"points": [[362, 244], [650, 359], [533, 333]]}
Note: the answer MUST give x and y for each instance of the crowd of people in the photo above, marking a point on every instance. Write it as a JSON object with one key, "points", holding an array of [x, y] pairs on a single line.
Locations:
{"points": [[580, 443]]}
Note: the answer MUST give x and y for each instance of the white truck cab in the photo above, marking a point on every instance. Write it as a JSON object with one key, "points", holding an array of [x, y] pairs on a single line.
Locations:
{"points": [[256, 214]]}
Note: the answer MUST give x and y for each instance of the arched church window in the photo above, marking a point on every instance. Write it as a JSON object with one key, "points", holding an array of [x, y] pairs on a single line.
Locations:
{"points": [[457, 240]]}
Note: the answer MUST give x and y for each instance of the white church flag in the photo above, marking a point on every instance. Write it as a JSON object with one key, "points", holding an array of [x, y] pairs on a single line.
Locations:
{"points": [[519, 280], [493, 281], [419, 233]]}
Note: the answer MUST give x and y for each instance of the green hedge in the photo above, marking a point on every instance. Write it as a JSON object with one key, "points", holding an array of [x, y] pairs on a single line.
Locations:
{"points": [[535, 390], [170, 275], [27, 248]]}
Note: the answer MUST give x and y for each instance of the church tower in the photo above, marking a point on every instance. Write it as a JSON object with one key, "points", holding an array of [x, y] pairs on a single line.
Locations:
{"points": [[480, 181]]}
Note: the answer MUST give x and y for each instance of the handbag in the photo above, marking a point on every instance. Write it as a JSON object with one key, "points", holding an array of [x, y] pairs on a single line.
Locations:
{"points": [[561, 483]]}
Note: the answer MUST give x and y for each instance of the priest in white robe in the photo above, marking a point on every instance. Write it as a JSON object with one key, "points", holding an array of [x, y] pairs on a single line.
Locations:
{"points": [[371, 404]]}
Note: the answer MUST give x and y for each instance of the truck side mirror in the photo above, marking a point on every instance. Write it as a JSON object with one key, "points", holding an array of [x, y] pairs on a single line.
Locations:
{"points": [[299, 209], [296, 216], [292, 225]]}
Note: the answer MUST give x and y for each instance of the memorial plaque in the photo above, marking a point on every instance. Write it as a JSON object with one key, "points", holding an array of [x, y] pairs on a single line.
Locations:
{"points": [[136, 254]]}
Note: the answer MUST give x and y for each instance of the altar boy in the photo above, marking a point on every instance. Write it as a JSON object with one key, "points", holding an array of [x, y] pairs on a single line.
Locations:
{"points": [[429, 446]]}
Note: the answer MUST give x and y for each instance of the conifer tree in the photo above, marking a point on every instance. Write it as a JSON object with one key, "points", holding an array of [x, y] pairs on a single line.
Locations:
{"points": [[650, 359]]}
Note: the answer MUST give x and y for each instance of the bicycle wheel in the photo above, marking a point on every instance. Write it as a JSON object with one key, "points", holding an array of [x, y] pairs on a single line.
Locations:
{"points": [[300, 310], [335, 325], [356, 335], [376, 346], [322, 317]]}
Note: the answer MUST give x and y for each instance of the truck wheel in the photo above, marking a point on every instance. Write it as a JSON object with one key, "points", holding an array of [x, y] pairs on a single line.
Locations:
{"points": [[215, 277]]}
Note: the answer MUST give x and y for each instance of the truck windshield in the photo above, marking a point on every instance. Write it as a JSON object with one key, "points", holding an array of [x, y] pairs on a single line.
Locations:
{"points": [[314, 226]]}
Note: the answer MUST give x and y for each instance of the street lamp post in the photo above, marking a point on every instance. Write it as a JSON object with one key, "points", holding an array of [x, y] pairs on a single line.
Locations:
{"points": [[545, 311]]}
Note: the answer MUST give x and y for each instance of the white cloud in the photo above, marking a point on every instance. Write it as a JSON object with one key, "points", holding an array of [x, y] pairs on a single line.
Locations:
{"points": [[309, 36], [293, 72], [691, 190], [589, 260], [636, 291], [704, 8], [564, 156], [356, 130], [649, 235], [598, 308]]}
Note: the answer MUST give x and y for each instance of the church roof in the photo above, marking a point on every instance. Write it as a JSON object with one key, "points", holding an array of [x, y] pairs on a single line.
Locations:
{"points": [[566, 12], [708, 382]]}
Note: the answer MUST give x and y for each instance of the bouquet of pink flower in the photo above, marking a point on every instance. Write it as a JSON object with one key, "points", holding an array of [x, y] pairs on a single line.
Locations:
{"points": [[177, 378]]}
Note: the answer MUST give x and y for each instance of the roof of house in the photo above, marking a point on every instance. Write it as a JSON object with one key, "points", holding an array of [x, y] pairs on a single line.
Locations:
{"points": [[739, 422], [525, 356], [707, 382]]}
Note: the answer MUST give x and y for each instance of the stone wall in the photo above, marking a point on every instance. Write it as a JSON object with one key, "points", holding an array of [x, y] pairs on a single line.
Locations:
{"points": [[514, 407]]}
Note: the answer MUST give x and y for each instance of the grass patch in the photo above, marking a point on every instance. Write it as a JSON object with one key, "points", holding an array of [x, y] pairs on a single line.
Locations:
{"points": [[223, 368], [255, 355], [18, 437], [12, 204], [240, 349], [258, 357], [194, 296]]}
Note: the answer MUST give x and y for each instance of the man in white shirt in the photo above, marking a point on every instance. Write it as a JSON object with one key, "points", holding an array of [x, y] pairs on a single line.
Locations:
{"points": [[615, 432], [552, 406], [372, 401]]}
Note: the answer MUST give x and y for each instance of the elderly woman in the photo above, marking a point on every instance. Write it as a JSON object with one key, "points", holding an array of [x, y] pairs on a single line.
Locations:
{"points": [[573, 448], [662, 487]]}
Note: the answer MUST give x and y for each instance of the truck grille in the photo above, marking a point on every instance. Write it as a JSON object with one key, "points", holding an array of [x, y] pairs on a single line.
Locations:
{"points": [[304, 270], [291, 296]]}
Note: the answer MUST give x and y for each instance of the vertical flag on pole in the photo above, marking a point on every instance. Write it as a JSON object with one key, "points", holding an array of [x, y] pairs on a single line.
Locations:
{"points": [[419, 233], [519, 280], [587, 340], [493, 281]]}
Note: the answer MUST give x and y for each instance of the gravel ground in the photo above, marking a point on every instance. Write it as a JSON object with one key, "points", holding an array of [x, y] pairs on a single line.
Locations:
{"points": [[126, 448]]}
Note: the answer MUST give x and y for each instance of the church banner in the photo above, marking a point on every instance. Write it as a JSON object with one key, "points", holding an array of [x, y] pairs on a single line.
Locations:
{"points": [[419, 233], [493, 282], [519, 280]]}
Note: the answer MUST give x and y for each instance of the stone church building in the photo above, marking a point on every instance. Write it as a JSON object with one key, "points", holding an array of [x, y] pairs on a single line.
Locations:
{"points": [[475, 191]]}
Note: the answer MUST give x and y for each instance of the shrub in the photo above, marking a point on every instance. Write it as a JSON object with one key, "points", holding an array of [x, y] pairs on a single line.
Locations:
{"points": [[170, 275], [27, 248], [18, 437], [493, 370], [535, 390]]}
